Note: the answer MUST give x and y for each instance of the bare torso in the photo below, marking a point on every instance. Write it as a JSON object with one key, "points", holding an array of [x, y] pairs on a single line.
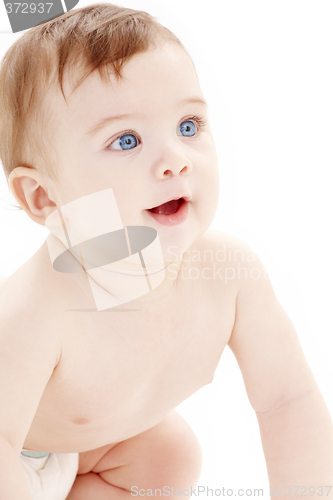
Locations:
{"points": [[121, 371]]}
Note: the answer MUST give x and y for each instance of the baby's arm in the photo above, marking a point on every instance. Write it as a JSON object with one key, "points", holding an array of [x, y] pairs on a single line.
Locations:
{"points": [[295, 424], [28, 357]]}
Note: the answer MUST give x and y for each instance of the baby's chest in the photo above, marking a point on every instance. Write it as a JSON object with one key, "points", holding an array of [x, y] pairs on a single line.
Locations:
{"points": [[135, 362]]}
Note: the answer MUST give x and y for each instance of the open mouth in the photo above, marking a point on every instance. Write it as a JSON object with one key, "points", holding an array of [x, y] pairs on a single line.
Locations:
{"points": [[171, 207]]}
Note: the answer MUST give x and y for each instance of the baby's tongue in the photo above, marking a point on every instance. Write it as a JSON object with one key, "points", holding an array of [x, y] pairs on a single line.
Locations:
{"points": [[167, 208]]}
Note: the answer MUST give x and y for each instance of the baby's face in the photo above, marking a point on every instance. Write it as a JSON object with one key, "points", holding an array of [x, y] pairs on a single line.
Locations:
{"points": [[147, 137]]}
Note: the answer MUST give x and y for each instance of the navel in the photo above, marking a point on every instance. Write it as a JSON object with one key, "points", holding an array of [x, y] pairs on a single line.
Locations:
{"points": [[81, 421]]}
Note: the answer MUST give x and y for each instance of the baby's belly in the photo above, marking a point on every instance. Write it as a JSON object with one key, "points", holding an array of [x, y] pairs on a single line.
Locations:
{"points": [[130, 386], [104, 418]]}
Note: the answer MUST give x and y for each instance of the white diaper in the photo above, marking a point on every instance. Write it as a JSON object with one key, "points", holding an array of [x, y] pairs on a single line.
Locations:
{"points": [[50, 477]]}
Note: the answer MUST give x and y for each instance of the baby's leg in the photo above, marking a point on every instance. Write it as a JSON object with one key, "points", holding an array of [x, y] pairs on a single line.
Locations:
{"points": [[167, 455]]}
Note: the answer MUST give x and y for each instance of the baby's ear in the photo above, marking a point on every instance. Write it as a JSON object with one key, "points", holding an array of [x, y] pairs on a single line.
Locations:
{"points": [[29, 187]]}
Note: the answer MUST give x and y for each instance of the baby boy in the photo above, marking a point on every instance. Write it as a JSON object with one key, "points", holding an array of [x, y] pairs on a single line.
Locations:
{"points": [[102, 108]]}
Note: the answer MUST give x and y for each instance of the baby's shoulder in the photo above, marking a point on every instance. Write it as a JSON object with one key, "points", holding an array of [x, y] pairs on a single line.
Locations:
{"points": [[220, 239], [32, 292], [21, 296], [224, 259], [37, 286], [224, 248], [26, 319], [3, 280]]}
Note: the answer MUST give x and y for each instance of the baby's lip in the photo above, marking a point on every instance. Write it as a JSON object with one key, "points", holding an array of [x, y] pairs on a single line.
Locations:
{"points": [[185, 197]]}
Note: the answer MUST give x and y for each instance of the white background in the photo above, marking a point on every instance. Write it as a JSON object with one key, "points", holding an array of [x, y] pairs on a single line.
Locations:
{"points": [[266, 71]]}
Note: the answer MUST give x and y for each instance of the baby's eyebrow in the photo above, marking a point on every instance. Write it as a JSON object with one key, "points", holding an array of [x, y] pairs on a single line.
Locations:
{"points": [[105, 121], [193, 100]]}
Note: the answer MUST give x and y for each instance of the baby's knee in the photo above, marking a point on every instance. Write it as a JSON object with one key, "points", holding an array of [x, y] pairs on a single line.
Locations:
{"points": [[185, 450], [166, 456], [174, 456]]}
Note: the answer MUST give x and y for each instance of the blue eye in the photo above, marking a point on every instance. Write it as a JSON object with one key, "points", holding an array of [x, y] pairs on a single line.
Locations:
{"points": [[187, 128], [126, 141]]}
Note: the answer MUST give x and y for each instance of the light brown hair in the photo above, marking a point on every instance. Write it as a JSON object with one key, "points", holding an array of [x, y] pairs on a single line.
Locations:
{"points": [[99, 37]]}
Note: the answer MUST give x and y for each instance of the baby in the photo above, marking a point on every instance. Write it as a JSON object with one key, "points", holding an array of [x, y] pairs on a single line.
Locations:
{"points": [[105, 140]]}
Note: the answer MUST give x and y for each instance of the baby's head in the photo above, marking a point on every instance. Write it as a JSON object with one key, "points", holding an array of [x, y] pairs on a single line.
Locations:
{"points": [[106, 97]]}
